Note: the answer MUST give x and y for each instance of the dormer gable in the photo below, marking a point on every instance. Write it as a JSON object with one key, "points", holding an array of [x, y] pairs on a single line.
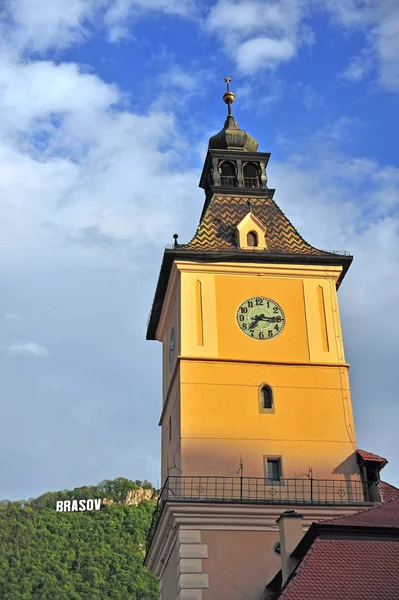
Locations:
{"points": [[251, 233]]}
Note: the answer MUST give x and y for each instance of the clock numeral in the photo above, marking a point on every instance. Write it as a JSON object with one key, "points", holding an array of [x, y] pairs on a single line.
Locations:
{"points": [[277, 328], [270, 333], [278, 319], [244, 326], [250, 304], [241, 317], [267, 303], [275, 309], [259, 301], [261, 335], [244, 309], [251, 331]]}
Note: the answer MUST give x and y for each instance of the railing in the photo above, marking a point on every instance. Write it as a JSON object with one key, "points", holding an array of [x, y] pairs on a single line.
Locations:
{"points": [[228, 181], [252, 182], [262, 491], [239, 251]]}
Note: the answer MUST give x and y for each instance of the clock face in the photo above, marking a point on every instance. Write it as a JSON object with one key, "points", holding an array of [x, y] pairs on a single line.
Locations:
{"points": [[260, 318], [172, 349]]}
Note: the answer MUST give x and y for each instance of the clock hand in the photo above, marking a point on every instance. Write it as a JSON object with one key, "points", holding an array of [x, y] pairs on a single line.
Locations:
{"points": [[268, 319], [255, 321]]}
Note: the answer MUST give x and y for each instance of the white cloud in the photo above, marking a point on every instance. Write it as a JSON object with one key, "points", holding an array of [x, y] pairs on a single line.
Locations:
{"points": [[246, 16], [69, 155], [28, 348], [379, 21], [241, 26], [40, 24], [176, 77], [120, 13], [264, 52], [38, 94], [359, 67], [37, 25], [14, 317]]}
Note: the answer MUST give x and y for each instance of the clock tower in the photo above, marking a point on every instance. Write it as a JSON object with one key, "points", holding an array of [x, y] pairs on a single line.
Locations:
{"points": [[256, 415]]}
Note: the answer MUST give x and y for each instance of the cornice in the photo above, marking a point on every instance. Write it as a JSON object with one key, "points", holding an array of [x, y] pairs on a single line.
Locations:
{"points": [[267, 269], [215, 359]]}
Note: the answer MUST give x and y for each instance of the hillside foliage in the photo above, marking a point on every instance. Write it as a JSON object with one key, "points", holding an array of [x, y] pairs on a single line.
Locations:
{"points": [[96, 555]]}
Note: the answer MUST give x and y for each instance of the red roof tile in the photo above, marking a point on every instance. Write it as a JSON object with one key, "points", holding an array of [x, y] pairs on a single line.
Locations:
{"points": [[378, 515], [369, 456], [346, 570], [388, 491]]}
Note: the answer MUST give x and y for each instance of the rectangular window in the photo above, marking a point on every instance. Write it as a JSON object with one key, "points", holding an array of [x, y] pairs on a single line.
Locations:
{"points": [[273, 469]]}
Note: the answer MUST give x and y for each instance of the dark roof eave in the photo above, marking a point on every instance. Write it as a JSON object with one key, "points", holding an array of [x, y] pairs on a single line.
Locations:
{"points": [[231, 256]]}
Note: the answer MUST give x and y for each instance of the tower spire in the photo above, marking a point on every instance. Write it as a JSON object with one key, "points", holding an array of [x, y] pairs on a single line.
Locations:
{"points": [[232, 137]]}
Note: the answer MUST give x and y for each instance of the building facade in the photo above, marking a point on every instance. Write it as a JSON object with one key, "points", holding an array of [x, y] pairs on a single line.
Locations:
{"points": [[257, 415]]}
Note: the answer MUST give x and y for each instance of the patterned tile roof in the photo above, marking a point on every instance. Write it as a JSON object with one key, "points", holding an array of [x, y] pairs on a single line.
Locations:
{"points": [[217, 228], [346, 569]]}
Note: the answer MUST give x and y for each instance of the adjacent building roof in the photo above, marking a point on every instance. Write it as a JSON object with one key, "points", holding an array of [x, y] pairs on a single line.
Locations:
{"points": [[388, 492], [385, 514], [351, 557], [344, 569]]}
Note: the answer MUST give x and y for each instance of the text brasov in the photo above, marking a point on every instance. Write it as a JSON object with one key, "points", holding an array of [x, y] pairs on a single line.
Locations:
{"points": [[77, 505]]}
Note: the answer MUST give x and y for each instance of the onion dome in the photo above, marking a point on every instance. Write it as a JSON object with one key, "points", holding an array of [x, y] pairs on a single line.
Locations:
{"points": [[232, 137]]}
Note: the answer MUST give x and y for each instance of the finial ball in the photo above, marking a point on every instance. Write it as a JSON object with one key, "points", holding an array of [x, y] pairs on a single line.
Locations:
{"points": [[228, 97]]}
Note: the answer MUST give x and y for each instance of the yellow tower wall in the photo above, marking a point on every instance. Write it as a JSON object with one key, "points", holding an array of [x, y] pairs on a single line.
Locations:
{"points": [[213, 399]]}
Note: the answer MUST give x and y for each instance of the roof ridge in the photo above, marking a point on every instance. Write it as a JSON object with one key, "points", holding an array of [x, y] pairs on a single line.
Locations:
{"points": [[379, 506], [357, 512]]}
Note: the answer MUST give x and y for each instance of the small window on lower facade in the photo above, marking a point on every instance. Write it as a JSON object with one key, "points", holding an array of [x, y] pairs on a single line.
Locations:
{"points": [[267, 398], [273, 469], [266, 402]]}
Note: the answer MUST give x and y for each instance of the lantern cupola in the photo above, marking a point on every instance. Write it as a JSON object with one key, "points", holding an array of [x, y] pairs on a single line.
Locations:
{"points": [[233, 160]]}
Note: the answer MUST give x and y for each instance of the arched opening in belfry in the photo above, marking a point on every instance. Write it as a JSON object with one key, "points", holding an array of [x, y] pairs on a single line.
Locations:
{"points": [[251, 176], [252, 238], [227, 174]]}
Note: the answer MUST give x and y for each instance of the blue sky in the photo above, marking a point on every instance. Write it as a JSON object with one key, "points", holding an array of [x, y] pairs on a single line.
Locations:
{"points": [[106, 107]]}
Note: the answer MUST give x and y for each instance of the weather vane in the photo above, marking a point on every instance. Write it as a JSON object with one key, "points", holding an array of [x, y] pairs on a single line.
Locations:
{"points": [[228, 96]]}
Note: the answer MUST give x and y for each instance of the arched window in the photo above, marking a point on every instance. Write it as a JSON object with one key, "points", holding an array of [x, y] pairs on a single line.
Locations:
{"points": [[251, 176], [266, 397], [252, 238], [227, 174]]}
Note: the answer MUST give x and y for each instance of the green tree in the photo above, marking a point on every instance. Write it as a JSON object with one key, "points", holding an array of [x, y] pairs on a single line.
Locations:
{"points": [[96, 555]]}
